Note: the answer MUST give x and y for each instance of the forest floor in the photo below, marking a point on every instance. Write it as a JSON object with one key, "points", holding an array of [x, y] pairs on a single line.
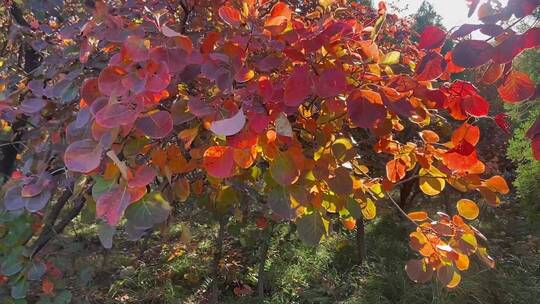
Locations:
{"points": [[178, 270]]}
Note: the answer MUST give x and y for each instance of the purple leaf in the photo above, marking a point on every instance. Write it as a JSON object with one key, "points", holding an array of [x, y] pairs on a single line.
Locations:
{"points": [[156, 125], [229, 126], [32, 105], [111, 205], [83, 156]]}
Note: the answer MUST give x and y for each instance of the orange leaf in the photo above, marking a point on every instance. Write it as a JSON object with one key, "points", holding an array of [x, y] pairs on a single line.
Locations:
{"points": [[418, 216], [517, 87], [429, 136], [396, 170], [47, 286], [219, 161], [498, 184]]}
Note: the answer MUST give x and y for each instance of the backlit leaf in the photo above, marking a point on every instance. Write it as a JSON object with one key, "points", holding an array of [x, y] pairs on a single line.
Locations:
{"points": [[468, 209], [432, 37], [516, 87], [297, 86], [431, 180], [229, 15], [395, 170], [219, 161], [418, 216]]}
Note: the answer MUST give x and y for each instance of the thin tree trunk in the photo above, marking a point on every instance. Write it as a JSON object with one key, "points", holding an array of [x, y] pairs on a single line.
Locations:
{"points": [[262, 260], [49, 234], [360, 241], [214, 291]]}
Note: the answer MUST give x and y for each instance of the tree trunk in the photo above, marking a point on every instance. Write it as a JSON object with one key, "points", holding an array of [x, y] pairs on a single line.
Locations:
{"points": [[262, 260], [214, 291], [360, 241]]}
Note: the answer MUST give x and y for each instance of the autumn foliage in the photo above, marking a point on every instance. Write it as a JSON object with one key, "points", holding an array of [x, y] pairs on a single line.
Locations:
{"points": [[305, 112]]}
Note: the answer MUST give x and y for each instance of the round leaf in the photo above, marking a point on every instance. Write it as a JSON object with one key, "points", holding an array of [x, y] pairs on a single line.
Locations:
{"points": [[468, 209]]}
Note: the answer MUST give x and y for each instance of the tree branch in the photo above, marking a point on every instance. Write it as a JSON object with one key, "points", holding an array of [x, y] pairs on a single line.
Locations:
{"points": [[51, 231]]}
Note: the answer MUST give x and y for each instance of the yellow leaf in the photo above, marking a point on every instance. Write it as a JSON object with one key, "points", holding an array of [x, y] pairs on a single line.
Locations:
{"points": [[456, 278], [468, 209], [431, 181], [391, 58], [369, 210], [326, 3]]}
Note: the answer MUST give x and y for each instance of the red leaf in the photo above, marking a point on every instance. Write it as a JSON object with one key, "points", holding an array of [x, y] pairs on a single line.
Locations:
{"points": [[508, 49], [219, 161], [331, 83], [157, 76], [110, 81], [83, 156], [536, 147], [229, 15], [516, 87], [432, 37], [156, 125], [465, 30], [281, 9], [502, 122], [475, 105], [90, 90], [111, 205], [466, 132], [143, 176], [531, 38], [135, 48], [172, 57], [297, 86], [365, 108], [472, 53], [493, 73], [115, 115], [47, 286], [431, 67]]}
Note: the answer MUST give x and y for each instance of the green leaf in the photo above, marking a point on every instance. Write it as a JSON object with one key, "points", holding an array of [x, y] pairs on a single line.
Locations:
{"points": [[100, 186], [279, 203], [354, 208], [64, 297], [150, 210], [105, 234], [12, 264], [391, 58], [19, 290], [36, 271], [311, 228]]}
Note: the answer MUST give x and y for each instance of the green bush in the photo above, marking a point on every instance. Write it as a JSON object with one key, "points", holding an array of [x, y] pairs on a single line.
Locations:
{"points": [[527, 181]]}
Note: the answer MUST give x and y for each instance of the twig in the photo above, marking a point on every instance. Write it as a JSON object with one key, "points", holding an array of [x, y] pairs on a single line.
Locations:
{"points": [[399, 208]]}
